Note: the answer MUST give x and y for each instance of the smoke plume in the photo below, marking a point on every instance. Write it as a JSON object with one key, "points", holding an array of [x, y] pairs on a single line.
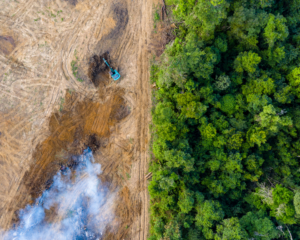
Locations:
{"points": [[82, 205]]}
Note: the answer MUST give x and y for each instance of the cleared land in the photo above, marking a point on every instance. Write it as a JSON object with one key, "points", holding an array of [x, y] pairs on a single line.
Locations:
{"points": [[50, 108]]}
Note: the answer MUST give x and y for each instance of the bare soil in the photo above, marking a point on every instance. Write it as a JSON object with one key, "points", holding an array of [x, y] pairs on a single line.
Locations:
{"points": [[98, 69], [7, 44], [47, 115]]}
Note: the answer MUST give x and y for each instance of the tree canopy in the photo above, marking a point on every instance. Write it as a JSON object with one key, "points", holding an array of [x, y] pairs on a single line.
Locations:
{"points": [[226, 122]]}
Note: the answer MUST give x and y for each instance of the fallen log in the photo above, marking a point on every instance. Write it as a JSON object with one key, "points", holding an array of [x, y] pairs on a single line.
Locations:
{"points": [[148, 176], [163, 10]]}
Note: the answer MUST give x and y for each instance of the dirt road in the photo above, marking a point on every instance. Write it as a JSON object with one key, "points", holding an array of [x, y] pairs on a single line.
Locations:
{"points": [[45, 49]]}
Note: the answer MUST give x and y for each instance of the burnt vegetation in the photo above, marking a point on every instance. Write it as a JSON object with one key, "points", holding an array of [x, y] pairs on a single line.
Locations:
{"points": [[98, 69]]}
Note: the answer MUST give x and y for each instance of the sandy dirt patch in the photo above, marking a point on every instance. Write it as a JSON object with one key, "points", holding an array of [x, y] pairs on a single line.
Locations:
{"points": [[46, 49]]}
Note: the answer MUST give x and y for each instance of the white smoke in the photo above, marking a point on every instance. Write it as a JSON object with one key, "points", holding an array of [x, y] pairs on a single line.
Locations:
{"points": [[83, 207]]}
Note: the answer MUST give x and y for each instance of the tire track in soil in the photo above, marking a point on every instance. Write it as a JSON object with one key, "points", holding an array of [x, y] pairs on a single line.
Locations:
{"points": [[141, 229], [127, 43]]}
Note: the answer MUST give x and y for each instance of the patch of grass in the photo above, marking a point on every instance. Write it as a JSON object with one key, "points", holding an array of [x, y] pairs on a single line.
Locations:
{"points": [[43, 45], [128, 176], [50, 14], [74, 66], [156, 16], [5, 76], [153, 69], [75, 71], [62, 101]]}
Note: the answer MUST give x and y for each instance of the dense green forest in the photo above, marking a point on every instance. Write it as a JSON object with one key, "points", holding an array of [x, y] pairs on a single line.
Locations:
{"points": [[226, 120]]}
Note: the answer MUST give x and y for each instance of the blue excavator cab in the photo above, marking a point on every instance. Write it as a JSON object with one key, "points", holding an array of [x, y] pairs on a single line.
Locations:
{"points": [[113, 73]]}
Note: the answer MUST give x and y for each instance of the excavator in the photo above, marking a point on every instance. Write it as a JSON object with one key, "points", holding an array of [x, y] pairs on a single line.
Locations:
{"points": [[113, 73]]}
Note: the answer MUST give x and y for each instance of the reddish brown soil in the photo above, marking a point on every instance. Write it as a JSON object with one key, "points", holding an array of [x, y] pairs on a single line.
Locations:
{"points": [[82, 123]]}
